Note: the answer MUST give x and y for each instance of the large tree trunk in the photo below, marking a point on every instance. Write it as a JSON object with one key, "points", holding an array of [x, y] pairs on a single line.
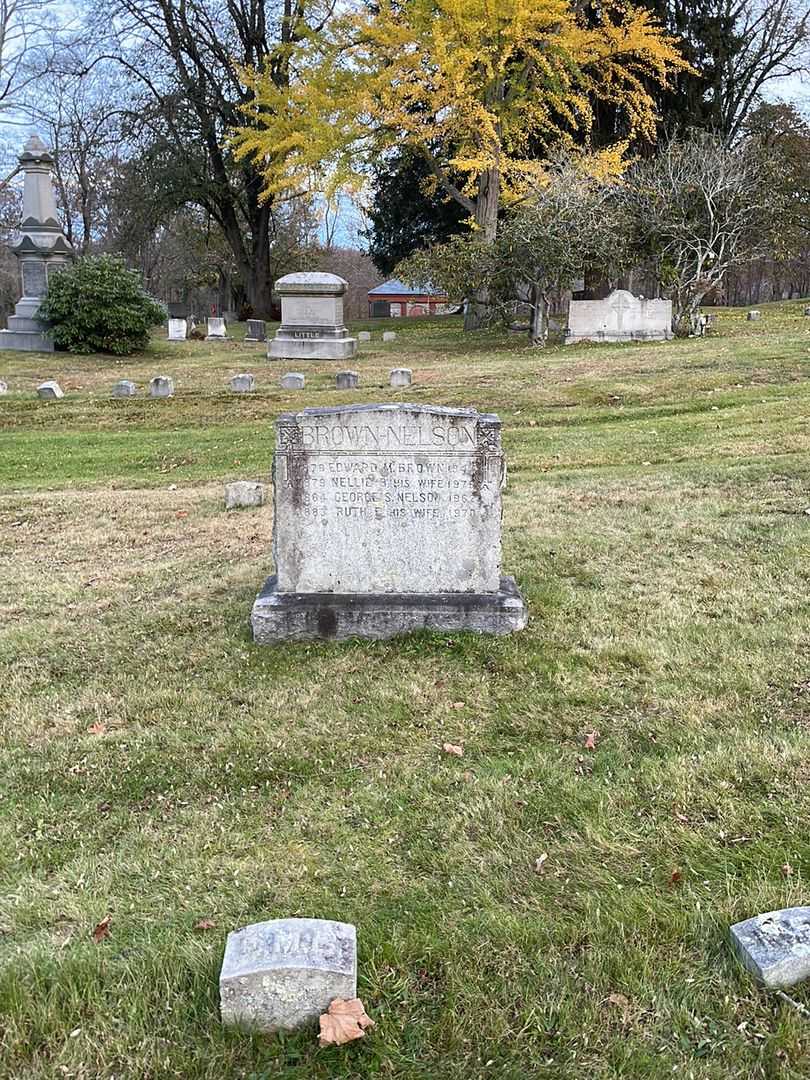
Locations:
{"points": [[486, 220], [538, 327]]}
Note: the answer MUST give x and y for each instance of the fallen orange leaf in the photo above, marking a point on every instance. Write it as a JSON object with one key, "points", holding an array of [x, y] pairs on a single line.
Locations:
{"points": [[451, 748], [98, 728], [343, 1022], [205, 924], [675, 877], [590, 739], [102, 929]]}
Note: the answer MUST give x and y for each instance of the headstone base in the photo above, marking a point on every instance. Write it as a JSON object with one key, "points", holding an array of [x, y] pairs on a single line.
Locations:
{"points": [[280, 616], [26, 341], [312, 348]]}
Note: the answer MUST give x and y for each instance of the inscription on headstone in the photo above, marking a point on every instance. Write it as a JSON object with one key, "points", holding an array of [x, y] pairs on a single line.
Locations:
{"points": [[775, 946], [282, 974], [34, 278], [377, 504]]}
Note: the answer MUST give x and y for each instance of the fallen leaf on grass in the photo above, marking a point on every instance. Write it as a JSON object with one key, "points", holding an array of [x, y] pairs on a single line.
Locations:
{"points": [[590, 739], [621, 1002], [675, 877], [540, 862], [205, 924], [451, 748], [102, 930], [456, 704], [181, 513], [98, 728], [343, 1021]]}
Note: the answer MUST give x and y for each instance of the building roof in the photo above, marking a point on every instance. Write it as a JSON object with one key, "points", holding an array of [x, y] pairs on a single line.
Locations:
{"points": [[394, 287]]}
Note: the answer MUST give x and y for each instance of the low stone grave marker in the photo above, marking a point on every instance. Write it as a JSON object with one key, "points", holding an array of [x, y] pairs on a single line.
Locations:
{"points": [[178, 329], [216, 330], [50, 390], [775, 946], [243, 493], [347, 380], [387, 519], [389, 335], [807, 311], [3, 387], [243, 384], [400, 376], [124, 388], [754, 316], [619, 317], [256, 330], [161, 386], [282, 974], [364, 335], [293, 380]]}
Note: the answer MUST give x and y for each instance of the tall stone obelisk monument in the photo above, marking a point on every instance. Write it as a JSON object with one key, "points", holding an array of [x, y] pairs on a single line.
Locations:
{"points": [[40, 246]]}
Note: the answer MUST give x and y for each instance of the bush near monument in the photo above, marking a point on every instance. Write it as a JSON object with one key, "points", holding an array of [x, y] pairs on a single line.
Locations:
{"points": [[98, 305]]}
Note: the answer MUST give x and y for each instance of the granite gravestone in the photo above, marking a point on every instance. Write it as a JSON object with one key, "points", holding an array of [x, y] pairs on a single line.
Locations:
{"points": [[311, 319], [347, 380], [178, 328], [387, 519], [161, 386], [124, 388], [243, 383], [243, 493], [216, 330], [754, 316], [292, 380], [279, 975], [400, 377], [256, 330], [775, 946], [621, 317], [50, 390]]}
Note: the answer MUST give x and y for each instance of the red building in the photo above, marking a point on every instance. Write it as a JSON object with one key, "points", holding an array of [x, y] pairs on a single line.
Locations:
{"points": [[394, 299]]}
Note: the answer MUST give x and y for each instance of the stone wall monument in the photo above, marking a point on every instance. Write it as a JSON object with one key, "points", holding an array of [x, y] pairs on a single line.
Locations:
{"points": [[620, 317], [387, 519], [41, 249], [311, 319]]}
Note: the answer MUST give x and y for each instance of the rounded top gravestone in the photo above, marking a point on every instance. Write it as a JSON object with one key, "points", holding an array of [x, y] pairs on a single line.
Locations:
{"points": [[311, 282]]}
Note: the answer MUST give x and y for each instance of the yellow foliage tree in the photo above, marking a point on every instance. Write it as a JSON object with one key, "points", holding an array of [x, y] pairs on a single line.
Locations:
{"points": [[483, 88]]}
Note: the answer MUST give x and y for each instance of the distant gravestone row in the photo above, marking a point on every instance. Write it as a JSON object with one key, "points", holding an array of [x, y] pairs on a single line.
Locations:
{"points": [[216, 330]]}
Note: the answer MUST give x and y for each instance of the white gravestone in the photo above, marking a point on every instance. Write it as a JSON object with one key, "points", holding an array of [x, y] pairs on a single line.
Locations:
{"points": [[364, 335], [400, 376], [775, 946], [281, 975], [754, 316], [50, 390], [178, 328], [243, 493], [293, 380], [256, 330], [387, 518], [216, 330], [124, 388], [161, 386], [3, 387], [620, 317], [312, 325], [347, 380], [807, 311], [243, 384], [389, 335]]}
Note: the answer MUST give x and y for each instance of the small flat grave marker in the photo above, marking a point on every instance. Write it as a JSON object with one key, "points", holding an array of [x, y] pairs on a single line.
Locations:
{"points": [[243, 493], [389, 335], [293, 380], [775, 946], [754, 316], [3, 387], [124, 388], [280, 975], [50, 390], [364, 335], [161, 386], [400, 376], [243, 384], [347, 380]]}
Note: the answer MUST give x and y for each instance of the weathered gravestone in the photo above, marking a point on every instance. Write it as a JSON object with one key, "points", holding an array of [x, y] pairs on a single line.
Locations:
{"points": [[807, 311], [293, 380], [216, 330], [311, 319], [364, 335], [124, 388], [620, 317], [256, 330], [3, 387], [161, 386], [754, 316], [347, 380], [389, 335], [178, 328], [400, 376], [775, 946], [50, 390], [243, 493], [243, 384], [280, 975], [387, 519]]}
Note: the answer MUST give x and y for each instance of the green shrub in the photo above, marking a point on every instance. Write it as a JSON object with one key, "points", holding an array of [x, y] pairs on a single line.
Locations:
{"points": [[98, 305]]}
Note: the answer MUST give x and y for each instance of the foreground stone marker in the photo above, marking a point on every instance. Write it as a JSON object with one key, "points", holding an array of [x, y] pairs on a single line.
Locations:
{"points": [[243, 384], [312, 325], [293, 380], [178, 329], [775, 946], [280, 975], [216, 330], [400, 376], [161, 386], [347, 380], [243, 493], [256, 330], [50, 390], [620, 317], [124, 388], [754, 316], [387, 519]]}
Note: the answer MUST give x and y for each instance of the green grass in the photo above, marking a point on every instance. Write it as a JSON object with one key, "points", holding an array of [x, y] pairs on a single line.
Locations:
{"points": [[656, 520]]}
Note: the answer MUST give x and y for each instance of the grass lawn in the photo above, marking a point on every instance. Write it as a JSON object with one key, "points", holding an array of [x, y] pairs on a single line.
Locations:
{"points": [[158, 768]]}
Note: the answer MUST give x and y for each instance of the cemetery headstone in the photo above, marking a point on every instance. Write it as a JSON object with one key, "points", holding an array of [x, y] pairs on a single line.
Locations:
{"points": [[40, 247], [389, 335], [364, 335], [243, 493], [281, 975], [807, 311], [50, 390], [775, 946], [243, 384], [3, 387], [256, 330], [347, 380], [754, 316], [216, 330], [161, 386], [178, 328], [125, 388], [293, 380], [400, 376], [312, 326], [387, 519], [620, 317]]}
